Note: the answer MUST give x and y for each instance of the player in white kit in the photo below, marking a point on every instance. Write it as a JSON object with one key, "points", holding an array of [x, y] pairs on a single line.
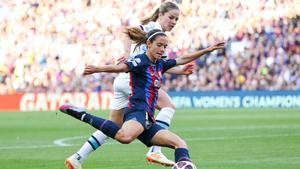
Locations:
{"points": [[164, 18]]}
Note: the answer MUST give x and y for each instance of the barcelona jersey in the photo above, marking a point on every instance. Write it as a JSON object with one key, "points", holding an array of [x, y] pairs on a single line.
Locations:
{"points": [[145, 80]]}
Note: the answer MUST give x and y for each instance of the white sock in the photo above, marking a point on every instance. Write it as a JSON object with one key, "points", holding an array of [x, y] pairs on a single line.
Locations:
{"points": [[156, 149], [165, 116], [92, 144]]}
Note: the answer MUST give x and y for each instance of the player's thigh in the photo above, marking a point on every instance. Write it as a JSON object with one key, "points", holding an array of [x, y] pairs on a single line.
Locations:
{"points": [[168, 139], [129, 131], [117, 116], [121, 92], [119, 100], [164, 100]]}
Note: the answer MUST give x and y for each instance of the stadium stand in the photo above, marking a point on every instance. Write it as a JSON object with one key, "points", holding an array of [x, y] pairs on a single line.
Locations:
{"points": [[44, 45]]}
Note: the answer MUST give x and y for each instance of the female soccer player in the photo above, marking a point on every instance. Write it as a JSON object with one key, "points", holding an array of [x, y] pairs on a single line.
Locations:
{"points": [[145, 78], [164, 18]]}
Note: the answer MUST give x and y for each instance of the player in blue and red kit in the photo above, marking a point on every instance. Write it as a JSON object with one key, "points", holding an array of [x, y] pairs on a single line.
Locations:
{"points": [[145, 77]]}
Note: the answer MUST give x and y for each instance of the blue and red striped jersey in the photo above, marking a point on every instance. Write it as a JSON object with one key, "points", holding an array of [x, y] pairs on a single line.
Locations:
{"points": [[145, 80]]}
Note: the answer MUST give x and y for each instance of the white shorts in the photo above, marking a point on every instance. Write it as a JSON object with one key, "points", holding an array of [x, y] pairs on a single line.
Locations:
{"points": [[121, 91]]}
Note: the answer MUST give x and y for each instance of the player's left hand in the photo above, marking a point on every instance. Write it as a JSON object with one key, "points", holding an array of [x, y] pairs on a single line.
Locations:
{"points": [[188, 69]]}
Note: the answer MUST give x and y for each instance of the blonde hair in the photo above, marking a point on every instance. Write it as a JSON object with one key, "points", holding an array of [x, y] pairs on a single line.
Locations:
{"points": [[164, 7]]}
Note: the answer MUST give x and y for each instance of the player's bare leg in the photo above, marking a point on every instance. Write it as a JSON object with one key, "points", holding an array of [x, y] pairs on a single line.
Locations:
{"points": [[164, 117]]}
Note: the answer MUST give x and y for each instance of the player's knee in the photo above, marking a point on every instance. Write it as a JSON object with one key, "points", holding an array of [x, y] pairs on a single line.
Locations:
{"points": [[172, 105], [124, 138], [165, 101], [169, 103]]}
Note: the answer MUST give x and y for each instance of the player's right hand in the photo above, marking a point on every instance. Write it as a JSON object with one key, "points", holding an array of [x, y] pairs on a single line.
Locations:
{"points": [[89, 69]]}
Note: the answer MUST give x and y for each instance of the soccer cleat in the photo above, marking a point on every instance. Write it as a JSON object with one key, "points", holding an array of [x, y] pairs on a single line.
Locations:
{"points": [[159, 158], [73, 163], [73, 111]]}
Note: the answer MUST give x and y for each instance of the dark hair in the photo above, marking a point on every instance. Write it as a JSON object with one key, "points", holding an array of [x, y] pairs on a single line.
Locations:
{"points": [[164, 7], [141, 37], [151, 35]]}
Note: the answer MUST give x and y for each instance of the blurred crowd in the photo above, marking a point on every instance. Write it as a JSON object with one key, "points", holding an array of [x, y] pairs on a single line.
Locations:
{"points": [[45, 44], [268, 59]]}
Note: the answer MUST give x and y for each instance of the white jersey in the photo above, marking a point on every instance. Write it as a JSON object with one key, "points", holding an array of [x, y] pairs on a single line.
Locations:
{"points": [[143, 48], [121, 82]]}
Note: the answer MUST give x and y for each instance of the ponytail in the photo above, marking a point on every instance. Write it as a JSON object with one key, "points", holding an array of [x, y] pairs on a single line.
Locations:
{"points": [[140, 37], [137, 35], [153, 17]]}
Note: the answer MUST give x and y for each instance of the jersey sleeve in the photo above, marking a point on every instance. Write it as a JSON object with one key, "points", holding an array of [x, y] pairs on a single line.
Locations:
{"points": [[168, 64], [135, 64]]}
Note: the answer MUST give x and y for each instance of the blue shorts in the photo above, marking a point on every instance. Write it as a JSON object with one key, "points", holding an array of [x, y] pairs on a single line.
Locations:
{"points": [[150, 128]]}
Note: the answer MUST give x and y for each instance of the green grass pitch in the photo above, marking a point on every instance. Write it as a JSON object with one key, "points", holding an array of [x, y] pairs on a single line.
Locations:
{"points": [[217, 139]]}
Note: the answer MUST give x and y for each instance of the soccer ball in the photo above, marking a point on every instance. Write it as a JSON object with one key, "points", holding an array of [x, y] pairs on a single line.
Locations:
{"points": [[184, 165]]}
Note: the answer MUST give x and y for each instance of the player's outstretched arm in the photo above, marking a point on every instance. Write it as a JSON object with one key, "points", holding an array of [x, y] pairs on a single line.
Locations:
{"points": [[90, 69], [190, 57], [184, 70]]}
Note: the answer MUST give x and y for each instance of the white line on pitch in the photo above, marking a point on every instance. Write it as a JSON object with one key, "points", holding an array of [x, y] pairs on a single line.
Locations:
{"points": [[115, 142]]}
